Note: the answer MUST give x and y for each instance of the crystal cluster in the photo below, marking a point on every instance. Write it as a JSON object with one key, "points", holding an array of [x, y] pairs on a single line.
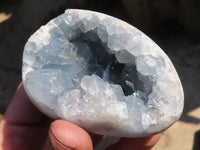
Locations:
{"points": [[102, 74]]}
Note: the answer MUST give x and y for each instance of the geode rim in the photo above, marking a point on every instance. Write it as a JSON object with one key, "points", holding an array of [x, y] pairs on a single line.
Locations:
{"points": [[102, 74]]}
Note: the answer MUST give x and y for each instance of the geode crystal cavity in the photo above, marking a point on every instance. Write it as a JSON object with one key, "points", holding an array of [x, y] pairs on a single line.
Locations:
{"points": [[102, 74]]}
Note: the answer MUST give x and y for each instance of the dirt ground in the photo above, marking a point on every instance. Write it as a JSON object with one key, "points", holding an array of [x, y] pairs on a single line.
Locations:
{"points": [[19, 19]]}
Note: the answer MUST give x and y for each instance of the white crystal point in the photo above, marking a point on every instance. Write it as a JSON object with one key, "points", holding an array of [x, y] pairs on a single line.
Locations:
{"points": [[102, 74]]}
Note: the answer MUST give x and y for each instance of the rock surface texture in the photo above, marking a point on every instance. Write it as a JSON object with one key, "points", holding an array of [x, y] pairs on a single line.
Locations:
{"points": [[102, 74]]}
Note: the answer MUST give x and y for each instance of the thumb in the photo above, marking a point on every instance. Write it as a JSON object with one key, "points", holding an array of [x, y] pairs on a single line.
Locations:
{"points": [[65, 135]]}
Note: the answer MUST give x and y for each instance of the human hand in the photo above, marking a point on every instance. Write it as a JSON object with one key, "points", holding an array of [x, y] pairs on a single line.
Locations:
{"points": [[25, 128]]}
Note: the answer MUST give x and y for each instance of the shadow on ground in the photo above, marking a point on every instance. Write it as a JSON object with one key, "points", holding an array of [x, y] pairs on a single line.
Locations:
{"points": [[196, 141]]}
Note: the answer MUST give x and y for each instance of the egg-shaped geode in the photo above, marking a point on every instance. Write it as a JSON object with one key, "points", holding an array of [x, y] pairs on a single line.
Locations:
{"points": [[103, 74]]}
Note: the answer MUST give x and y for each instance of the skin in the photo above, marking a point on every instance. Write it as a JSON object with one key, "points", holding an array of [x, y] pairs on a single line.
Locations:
{"points": [[23, 127]]}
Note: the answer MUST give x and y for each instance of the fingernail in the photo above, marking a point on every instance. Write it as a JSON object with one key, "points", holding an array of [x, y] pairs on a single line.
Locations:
{"points": [[19, 86], [58, 145]]}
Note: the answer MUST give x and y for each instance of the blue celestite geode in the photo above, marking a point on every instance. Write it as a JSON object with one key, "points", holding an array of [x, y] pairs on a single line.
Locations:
{"points": [[102, 74]]}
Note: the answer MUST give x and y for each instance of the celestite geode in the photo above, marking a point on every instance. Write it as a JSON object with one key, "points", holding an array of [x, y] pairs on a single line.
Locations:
{"points": [[102, 74]]}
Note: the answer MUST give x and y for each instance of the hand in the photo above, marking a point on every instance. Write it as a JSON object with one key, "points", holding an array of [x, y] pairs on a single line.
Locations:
{"points": [[25, 128]]}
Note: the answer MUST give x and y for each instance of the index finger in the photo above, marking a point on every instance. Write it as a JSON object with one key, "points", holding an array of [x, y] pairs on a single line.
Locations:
{"points": [[23, 126], [21, 110]]}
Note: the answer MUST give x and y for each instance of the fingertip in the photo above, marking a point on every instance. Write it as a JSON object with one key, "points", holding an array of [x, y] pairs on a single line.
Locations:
{"points": [[65, 135]]}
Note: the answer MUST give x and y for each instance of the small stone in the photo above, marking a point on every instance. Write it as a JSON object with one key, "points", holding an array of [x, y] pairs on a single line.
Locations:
{"points": [[103, 74]]}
